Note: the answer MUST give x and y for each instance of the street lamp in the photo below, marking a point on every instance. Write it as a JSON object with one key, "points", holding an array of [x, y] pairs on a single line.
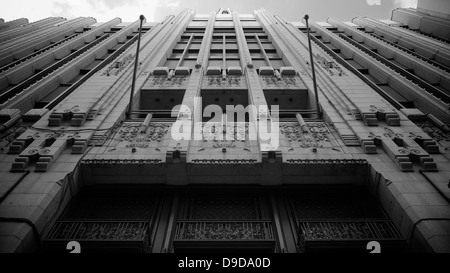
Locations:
{"points": [[319, 114], [133, 83]]}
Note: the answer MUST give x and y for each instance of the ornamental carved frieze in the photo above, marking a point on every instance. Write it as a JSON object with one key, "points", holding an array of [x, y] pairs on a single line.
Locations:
{"points": [[10, 135], [330, 66], [441, 137], [217, 136], [391, 134], [132, 136], [316, 135], [217, 132], [228, 82], [163, 82], [116, 67], [269, 82]]}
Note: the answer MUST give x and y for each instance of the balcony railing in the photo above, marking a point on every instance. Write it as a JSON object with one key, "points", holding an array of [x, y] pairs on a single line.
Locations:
{"points": [[349, 230], [346, 232], [251, 230], [95, 233]]}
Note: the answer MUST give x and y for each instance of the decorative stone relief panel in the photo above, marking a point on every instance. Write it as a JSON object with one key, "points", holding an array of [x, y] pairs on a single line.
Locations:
{"points": [[330, 66], [441, 137], [137, 142], [228, 82], [115, 68], [164, 82], [217, 136], [228, 144], [403, 147], [44, 147], [272, 82], [131, 136], [316, 135], [10, 135]]}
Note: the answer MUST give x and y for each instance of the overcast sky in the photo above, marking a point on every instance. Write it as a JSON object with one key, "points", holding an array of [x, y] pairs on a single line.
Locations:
{"points": [[155, 10]]}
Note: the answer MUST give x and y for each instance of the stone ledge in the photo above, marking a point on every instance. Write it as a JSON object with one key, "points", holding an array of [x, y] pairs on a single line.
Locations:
{"points": [[223, 162], [34, 115], [161, 71], [214, 71], [325, 161], [182, 71], [120, 162], [287, 71], [266, 71], [234, 71], [414, 114]]}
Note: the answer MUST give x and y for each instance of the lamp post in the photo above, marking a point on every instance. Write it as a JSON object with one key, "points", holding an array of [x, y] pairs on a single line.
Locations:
{"points": [[319, 114], [133, 83]]}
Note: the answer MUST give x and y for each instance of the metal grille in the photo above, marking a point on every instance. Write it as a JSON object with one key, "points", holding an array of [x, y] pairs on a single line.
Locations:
{"points": [[349, 230], [99, 230], [224, 230]]}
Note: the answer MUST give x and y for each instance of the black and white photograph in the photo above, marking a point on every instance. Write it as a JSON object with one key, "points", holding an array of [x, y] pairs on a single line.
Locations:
{"points": [[225, 135]]}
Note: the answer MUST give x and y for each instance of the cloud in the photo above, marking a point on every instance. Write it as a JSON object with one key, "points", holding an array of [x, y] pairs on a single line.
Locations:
{"points": [[169, 4], [373, 2], [172, 4], [406, 3], [63, 9], [105, 10], [113, 3], [168, 7]]}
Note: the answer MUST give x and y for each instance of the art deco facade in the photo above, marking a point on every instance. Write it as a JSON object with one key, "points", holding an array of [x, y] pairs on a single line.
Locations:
{"points": [[374, 166]]}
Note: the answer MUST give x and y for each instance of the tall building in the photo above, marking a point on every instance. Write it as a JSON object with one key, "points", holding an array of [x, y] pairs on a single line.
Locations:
{"points": [[222, 146]]}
